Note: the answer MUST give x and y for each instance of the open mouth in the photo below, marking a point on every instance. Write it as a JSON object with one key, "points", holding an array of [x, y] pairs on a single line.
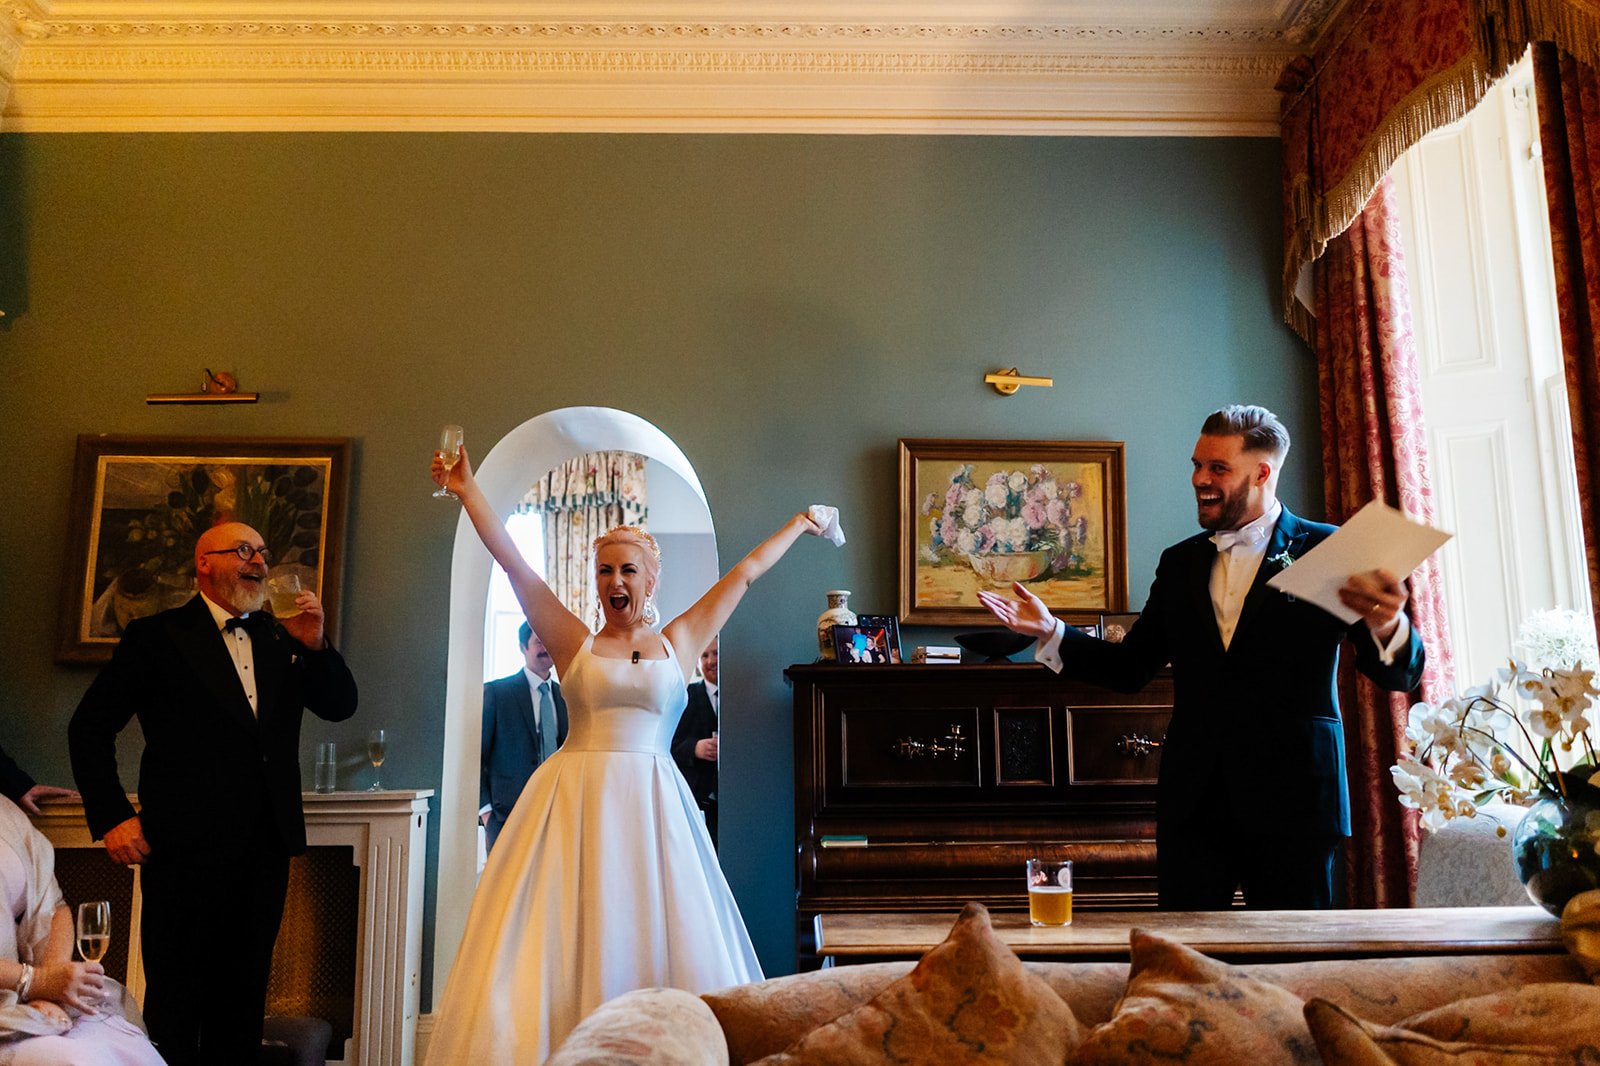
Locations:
{"points": [[1207, 499], [252, 579], [619, 601]]}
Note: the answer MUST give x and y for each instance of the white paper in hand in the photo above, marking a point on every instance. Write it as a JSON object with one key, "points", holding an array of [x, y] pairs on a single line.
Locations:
{"points": [[1376, 537], [828, 518]]}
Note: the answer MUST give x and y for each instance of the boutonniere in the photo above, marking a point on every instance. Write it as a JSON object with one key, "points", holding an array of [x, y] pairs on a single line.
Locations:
{"points": [[1282, 561]]}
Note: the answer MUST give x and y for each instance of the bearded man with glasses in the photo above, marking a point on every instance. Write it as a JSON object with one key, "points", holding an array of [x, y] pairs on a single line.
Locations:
{"points": [[219, 688]]}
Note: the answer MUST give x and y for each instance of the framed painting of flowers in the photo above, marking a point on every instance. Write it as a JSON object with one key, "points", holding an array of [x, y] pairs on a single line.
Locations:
{"points": [[981, 514], [140, 503]]}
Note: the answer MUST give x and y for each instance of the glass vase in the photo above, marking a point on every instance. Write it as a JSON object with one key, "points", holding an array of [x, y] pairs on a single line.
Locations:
{"points": [[1554, 846]]}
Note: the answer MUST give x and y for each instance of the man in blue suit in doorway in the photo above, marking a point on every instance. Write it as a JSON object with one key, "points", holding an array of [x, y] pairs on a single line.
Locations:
{"points": [[1252, 792], [524, 722]]}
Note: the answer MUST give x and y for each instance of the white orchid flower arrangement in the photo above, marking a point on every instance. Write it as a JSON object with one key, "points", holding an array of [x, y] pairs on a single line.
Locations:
{"points": [[1458, 756]]}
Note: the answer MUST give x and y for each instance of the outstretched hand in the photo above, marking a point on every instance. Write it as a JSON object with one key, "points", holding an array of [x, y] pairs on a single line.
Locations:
{"points": [[456, 477], [1026, 614]]}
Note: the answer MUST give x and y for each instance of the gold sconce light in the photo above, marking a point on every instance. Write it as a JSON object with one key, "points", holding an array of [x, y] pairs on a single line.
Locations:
{"points": [[1007, 382], [221, 387]]}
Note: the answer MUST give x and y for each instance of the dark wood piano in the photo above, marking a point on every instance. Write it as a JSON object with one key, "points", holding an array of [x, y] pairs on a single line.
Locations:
{"points": [[956, 775]]}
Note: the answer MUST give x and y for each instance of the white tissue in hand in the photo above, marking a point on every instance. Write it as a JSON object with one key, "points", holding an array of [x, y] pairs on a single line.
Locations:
{"points": [[828, 518]]}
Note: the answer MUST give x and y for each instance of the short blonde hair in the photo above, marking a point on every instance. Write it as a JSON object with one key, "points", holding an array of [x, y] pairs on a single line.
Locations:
{"points": [[637, 537]]}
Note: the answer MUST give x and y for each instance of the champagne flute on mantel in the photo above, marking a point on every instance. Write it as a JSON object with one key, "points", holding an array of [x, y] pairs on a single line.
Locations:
{"points": [[450, 439], [377, 749]]}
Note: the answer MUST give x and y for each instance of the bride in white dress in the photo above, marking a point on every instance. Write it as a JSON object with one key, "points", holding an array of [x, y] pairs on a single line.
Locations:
{"points": [[604, 878]]}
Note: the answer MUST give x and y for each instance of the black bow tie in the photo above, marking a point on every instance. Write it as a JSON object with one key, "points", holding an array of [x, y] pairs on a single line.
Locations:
{"points": [[250, 623]]}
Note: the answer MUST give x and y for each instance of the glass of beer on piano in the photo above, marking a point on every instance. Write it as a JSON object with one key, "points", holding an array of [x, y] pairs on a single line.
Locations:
{"points": [[1050, 891]]}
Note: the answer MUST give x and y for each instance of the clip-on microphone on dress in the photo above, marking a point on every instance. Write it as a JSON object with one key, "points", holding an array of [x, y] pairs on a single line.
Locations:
{"points": [[636, 656]]}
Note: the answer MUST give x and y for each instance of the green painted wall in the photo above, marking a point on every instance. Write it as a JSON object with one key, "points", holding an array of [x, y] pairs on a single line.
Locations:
{"points": [[783, 307]]}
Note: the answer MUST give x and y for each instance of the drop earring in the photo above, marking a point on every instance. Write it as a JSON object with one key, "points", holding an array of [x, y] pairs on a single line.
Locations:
{"points": [[650, 614]]}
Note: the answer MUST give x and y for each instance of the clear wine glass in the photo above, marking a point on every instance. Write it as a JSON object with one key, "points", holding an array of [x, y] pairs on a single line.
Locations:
{"points": [[377, 748], [94, 929], [450, 439]]}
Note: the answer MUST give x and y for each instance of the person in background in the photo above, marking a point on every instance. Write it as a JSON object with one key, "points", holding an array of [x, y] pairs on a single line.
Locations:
{"points": [[20, 788], [1251, 792], [694, 744], [219, 687], [524, 722]]}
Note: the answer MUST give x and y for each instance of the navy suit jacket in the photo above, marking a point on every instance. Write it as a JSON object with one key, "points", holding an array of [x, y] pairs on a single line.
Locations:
{"points": [[510, 745], [14, 780], [214, 773], [699, 721], [1257, 722]]}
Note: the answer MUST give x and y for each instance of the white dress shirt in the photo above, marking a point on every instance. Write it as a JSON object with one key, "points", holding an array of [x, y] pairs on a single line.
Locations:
{"points": [[712, 695], [1231, 577], [240, 650]]}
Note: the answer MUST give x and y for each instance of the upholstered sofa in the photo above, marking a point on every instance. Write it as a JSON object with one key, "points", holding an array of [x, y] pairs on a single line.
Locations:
{"points": [[1168, 1004]]}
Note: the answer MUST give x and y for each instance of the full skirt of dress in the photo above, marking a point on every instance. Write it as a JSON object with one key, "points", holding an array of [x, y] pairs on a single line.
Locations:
{"points": [[604, 880]]}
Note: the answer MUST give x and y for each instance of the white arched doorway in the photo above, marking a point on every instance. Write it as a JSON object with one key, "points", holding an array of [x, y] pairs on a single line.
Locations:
{"points": [[505, 473]]}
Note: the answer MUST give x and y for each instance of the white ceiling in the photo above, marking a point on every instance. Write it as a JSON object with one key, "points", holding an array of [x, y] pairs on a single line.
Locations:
{"points": [[1182, 67]]}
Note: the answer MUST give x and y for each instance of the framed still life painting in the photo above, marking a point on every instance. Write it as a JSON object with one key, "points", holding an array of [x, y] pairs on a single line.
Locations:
{"points": [[139, 503], [977, 514]]}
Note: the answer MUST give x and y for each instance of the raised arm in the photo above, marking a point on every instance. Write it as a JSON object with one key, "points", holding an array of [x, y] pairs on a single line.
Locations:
{"points": [[563, 634], [692, 630]]}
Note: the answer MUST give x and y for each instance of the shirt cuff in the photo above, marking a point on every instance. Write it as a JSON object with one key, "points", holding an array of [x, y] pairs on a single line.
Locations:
{"points": [[1047, 650], [485, 809], [1402, 635]]}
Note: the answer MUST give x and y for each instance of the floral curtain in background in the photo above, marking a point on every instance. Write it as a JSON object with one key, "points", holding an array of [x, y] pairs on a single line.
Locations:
{"points": [[1568, 93], [1384, 74], [1374, 446], [579, 500]]}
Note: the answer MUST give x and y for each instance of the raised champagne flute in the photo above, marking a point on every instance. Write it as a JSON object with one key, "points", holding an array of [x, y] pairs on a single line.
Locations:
{"points": [[94, 929], [450, 439], [377, 748]]}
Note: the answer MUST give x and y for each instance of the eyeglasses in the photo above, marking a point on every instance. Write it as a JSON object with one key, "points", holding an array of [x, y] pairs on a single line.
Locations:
{"points": [[245, 552]]}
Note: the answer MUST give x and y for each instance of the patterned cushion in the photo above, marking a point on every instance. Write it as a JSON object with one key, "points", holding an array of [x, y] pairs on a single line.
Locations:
{"points": [[1182, 1006], [768, 1016], [970, 1001], [1580, 930], [1566, 1016], [650, 1027], [1387, 990], [1347, 1040]]}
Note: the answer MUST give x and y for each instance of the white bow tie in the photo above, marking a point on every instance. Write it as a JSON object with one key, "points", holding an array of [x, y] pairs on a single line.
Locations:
{"points": [[1248, 537]]}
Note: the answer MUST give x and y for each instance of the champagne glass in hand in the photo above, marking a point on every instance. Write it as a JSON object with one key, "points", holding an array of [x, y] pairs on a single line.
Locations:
{"points": [[449, 453], [94, 929], [377, 748]]}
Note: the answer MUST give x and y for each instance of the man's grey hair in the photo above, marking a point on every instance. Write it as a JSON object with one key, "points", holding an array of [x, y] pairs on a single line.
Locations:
{"points": [[1260, 428]]}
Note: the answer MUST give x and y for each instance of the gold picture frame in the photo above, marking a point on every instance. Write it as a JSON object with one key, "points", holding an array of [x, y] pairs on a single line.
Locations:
{"points": [[139, 503], [978, 514]]}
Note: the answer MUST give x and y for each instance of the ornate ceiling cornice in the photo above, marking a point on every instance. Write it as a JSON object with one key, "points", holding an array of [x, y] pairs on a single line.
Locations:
{"points": [[330, 64]]}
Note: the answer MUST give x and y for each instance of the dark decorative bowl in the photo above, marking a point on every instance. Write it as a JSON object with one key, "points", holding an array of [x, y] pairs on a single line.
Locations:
{"points": [[995, 645]]}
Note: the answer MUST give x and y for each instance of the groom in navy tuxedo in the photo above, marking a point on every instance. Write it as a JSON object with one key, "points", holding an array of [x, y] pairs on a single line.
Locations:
{"points": [[524, 722], [1252, 791]]}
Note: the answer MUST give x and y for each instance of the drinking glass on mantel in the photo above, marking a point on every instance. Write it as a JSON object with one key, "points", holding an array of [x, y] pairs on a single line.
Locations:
{"points": [[450, 439], [377, 748], [94, 929]]}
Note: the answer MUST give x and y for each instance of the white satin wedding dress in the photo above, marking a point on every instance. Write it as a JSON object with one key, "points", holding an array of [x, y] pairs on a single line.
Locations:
{"points": [[603, 880]]}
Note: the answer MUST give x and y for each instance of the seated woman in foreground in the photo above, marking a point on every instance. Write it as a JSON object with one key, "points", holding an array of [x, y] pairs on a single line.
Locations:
{"points": [[53, 1011]]}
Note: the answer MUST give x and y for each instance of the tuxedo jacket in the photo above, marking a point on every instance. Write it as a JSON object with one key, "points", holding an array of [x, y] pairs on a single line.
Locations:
{"points": [[214, 773], [698, 722], [1256, 723], [510, 742], [14, 780]]}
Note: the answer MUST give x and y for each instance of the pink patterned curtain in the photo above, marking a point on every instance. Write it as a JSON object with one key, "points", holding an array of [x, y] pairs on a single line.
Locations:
{"points": [[581, 499], [1373, 445]]}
